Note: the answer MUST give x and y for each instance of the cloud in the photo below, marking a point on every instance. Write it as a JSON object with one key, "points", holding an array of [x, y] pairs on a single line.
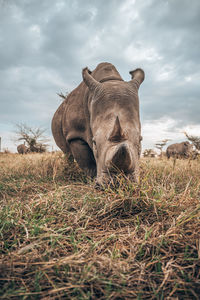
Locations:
{"points": [[154, 131], [44, 46]]}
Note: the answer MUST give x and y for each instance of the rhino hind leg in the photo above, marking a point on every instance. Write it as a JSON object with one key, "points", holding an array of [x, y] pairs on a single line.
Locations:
{"points": [[84, 156]]}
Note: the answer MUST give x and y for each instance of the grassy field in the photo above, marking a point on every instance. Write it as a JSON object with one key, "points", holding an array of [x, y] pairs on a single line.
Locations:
{"points": [[62, 239]]}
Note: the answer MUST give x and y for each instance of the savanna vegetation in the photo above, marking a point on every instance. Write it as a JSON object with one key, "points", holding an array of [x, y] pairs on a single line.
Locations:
{"points": [[33, 138], [60, 238]]}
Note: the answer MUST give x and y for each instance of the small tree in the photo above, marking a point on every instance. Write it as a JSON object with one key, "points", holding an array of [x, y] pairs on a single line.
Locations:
{"points": [[34, 138], [194, 139], [159, 145], [149, 153]]}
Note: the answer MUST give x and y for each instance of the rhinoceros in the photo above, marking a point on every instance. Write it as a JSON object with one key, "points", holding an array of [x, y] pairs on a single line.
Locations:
{"points": [[179, 150], [99, 123], [22, 149]]}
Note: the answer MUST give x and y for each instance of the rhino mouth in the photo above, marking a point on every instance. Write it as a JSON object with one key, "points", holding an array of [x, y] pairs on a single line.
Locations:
{"points": [[114, 180], [120, 161]]}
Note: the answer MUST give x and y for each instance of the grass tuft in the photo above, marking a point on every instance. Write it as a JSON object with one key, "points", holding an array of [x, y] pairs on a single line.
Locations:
{"points": [[60, 238]]}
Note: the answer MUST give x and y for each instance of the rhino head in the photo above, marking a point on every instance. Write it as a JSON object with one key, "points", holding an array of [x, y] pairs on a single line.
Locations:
{"points": [[187, 148], [115, 125]]}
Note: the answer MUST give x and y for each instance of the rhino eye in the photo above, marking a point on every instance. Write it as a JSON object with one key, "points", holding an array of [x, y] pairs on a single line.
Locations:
{"points": [[94, 142]]}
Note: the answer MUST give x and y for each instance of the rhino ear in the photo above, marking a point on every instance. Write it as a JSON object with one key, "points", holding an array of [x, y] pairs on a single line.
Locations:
{"points": [[186, 143], [138, 76], [117, 134], [91, 83]]}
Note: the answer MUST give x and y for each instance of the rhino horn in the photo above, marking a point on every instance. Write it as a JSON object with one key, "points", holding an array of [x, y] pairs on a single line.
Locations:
{"points": [[117, 134], [138, 76], [91, 83]]}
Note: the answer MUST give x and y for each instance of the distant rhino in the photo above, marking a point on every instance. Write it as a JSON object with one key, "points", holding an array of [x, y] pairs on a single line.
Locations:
{"points": [[38, 148], [179, 150], [99, 123], [22, 149]]}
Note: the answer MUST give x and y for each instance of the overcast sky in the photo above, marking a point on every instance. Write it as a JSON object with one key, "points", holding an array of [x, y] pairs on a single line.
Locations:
{"points": [[44, 44]]}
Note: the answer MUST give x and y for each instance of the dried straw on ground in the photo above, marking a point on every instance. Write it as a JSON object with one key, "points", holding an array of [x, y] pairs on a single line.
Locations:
{"points": [[62, 239]]}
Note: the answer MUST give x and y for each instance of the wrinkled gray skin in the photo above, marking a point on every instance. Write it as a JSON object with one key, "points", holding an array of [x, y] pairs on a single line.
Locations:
{"points": [[179, 150], [22, 149], [99, 123]]}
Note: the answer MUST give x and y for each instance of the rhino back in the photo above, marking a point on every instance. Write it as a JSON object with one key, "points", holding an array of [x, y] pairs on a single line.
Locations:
{"points": [[173, 147], [70, 120], [106, 71], [56, 127]]}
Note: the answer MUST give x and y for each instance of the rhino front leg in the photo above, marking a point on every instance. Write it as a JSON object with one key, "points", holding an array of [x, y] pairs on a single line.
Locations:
{"points": [[84, 156]]}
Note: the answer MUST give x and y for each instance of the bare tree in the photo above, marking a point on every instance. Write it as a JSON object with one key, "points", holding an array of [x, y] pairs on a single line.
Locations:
{"points": [[63, 96], [34, 138], [194, 139], [160, 144]]}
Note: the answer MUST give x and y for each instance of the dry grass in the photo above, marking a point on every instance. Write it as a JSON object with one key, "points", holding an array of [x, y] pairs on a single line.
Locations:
{"points": [[62, 239]]}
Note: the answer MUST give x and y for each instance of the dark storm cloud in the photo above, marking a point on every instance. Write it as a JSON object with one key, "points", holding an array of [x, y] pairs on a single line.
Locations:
{"points": [[45, 44]]}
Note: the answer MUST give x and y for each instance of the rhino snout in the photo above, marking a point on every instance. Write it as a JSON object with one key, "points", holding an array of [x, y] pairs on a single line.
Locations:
{"points": [[120, 160]]}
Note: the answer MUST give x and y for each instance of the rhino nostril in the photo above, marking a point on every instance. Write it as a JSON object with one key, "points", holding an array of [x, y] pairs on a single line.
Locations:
{"points": [[121, 159]]}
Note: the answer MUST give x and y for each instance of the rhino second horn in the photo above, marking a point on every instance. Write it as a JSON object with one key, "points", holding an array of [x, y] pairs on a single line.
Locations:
{"points": [[117, 134], [91, 83]]}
